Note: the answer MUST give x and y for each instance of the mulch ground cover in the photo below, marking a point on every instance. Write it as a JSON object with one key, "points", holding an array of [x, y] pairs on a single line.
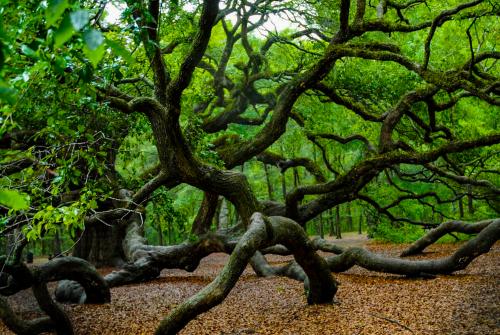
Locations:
{"points": [[467, 302]]}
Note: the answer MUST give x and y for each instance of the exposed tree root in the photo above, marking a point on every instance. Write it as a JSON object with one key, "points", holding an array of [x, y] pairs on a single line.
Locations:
{"points": [[445, 228], [20, 326], [282, 236], [148, 261], [261, 233], [458, 261], [93, 290]]}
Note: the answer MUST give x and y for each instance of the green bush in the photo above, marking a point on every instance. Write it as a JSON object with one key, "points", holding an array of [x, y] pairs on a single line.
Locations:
{"points": [[402, 233]]}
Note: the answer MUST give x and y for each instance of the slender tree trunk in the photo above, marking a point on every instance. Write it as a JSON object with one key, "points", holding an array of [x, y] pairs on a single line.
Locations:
{"points": [[461, 207], [331, 223], [320, 224], [206, 212], [57, 244], [470, 200], [338, 233], [360, 224], [44, 251], [224, 214], [160, 231], [270, 190], [169, 232], [296, 177], [217, 213], [283, 184], [349, 217], [229, 214], [11, 241]]}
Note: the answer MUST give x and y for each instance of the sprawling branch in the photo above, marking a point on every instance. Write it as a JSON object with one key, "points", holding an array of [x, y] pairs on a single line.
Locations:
{"points": [[345, 187], [261, 232], [438, 20], [200, 42], [445, 228], [458, 261]]}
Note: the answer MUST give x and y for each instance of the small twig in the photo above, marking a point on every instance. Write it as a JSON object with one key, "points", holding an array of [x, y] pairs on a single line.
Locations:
{"points": [[392, 321]]}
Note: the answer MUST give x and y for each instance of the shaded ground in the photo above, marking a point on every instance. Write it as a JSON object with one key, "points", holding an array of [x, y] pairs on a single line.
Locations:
{"points": [[368, 303]]}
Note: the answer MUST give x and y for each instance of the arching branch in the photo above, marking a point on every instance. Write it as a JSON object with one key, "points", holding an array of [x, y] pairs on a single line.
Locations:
{"points": [[445, 228]]}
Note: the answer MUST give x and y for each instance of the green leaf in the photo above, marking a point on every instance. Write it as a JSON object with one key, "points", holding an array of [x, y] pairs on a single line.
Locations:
{"points": [[93, 38], [54, 11], [2, 56], [79, 19], [64, 33], [7, 93], [28, 51], [13, 199], [95, 55], [120, 51]]}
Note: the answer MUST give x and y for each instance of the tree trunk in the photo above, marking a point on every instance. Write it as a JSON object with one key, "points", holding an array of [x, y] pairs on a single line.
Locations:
{"points": [[169, 232], [269, 184], [224, 214], [349, 217], [296, 178], [43, 248], [203, 220], [57, 244], [217, 213], [320, 223], [360, 224], [283, 184], [470, 200], [319, 283], [331, 223], [160, 231], [338, 233], [101, 245], [461, 207]]}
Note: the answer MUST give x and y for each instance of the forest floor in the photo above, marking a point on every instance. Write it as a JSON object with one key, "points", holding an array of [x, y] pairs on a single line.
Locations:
{"points": [[467, 302]]}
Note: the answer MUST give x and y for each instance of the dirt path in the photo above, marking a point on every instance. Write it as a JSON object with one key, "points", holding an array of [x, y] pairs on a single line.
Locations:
{"points": [[368, 303]]}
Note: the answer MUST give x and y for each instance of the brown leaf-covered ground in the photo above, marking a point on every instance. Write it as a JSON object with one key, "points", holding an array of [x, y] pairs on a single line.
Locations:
{"points": [[467, 302]]}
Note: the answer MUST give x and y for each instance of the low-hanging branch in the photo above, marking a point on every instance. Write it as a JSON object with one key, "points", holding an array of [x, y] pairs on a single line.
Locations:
{"points": [[457, 261], [446, 228]]}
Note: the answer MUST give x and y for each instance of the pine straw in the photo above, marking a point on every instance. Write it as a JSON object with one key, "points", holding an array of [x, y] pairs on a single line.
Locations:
{"points": [[368, 303]]}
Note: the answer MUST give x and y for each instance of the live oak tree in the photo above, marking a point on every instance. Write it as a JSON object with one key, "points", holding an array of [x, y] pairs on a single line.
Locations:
{"points": [[385, 104]]}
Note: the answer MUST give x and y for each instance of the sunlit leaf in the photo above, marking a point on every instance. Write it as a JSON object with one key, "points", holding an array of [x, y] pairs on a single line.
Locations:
{"points": [[120, 50], [54, 11], [64, 33], [94, 55], [13, 199]]}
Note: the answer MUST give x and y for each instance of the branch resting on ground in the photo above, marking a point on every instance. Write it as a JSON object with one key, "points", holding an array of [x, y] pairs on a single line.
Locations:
{"points": [[445, 228]]}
